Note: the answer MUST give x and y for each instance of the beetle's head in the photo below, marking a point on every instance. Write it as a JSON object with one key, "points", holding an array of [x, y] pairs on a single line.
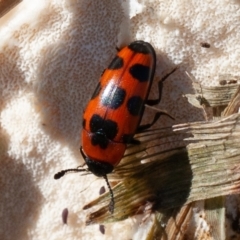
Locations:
{"points": [[99, 169]]}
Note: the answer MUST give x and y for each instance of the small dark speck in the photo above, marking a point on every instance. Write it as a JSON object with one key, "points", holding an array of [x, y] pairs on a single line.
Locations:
{"points": [[102, 190], [65, 215], [222, 82], [232, 82], [102, 229], [205, 45]]}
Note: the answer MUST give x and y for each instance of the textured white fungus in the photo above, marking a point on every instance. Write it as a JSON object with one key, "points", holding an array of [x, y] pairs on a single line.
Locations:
{"points": [[51, 56]]}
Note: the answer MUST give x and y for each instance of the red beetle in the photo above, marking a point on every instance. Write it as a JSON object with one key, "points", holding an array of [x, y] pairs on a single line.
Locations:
{"points": [[113, 115]]}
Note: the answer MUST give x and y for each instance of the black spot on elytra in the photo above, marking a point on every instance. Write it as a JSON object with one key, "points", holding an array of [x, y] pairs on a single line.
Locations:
{"points": [[116, 63], [96, 123], [134, 105], [84, 123], [99, 138], [114, 100], [141, 47], [103, 130], [140, 72], [97, 90]]}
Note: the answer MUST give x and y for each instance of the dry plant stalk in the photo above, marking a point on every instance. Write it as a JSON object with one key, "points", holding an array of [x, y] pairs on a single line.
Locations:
{"points": [[170, 181]]}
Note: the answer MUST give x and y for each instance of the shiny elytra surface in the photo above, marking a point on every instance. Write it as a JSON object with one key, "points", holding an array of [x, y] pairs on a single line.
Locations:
{"points": [[116, 108]]}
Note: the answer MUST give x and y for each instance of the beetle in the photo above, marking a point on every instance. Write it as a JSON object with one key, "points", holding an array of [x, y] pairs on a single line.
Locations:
{"points": [[112, 117]]}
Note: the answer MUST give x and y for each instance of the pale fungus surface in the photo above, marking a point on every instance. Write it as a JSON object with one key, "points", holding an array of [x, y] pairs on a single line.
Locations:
{"points": [[52, 54]]}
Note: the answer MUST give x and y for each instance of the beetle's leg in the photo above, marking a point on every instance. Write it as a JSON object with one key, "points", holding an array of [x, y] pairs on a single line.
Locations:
{"points": [[149, 103], [156, 117], [152, 102], [134, 141], [146, 126], [128, 139]]}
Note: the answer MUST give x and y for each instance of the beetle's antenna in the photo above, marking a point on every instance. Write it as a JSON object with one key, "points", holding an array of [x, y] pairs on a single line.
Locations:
{"points": [[111, 204], [63, 172]]}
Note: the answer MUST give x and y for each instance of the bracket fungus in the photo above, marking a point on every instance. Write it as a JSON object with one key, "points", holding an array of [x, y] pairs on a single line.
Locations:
{"points": [[52, 55]]}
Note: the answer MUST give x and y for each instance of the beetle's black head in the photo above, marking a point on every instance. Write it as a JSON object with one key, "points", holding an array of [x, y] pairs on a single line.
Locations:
{"points": [[99, 169]]}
